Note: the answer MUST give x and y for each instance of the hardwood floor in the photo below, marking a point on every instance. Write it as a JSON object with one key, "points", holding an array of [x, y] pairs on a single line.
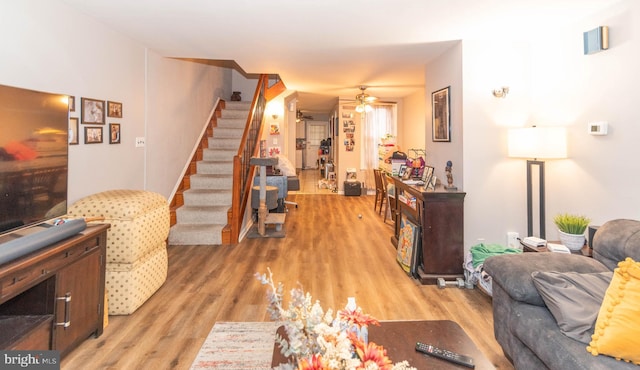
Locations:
{"points": [[327, 248]]}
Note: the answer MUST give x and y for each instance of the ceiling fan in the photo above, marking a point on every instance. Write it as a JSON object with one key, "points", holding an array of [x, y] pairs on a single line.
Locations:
{"points": [[364, 101], [302, 117]]}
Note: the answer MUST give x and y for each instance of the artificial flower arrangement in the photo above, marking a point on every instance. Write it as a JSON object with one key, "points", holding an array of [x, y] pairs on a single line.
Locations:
{"points": [[316, 340]]}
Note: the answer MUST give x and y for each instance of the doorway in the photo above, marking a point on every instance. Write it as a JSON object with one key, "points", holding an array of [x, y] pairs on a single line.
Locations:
{"points": [[315, 133]]}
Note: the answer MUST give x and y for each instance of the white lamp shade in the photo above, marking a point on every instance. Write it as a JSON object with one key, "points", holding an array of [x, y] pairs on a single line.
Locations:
{"points": [[538, 142]]}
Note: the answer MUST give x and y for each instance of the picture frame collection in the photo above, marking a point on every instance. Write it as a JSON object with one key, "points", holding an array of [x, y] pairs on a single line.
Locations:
{"points": [[93, 116]]}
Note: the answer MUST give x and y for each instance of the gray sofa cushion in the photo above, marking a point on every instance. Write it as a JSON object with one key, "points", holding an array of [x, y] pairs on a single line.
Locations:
{"points": [[574, 299], [616, 240], [536, 329], [513, 271]]}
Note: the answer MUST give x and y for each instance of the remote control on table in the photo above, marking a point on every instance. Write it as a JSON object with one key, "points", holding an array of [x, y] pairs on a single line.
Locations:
{"points": [[456, 358]]}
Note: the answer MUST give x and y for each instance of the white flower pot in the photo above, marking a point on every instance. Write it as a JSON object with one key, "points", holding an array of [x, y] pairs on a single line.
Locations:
{"points": [[574, 242]]}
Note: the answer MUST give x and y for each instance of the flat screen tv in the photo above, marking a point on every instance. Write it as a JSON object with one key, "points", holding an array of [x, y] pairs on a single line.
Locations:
{"points": [[33, 157]]}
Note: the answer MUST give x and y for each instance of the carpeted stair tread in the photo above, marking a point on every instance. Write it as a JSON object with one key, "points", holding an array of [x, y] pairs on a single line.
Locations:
{"points": [[195, 234], [215, 197], [215, 167], [202, 181], [202, 214], [232, 133], [218, 154], [224, 143]]}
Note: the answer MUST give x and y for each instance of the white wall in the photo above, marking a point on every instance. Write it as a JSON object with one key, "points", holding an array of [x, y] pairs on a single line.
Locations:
{"points": [[49, 46], [445, 71], [552, 83], [496, 195], [413, 127], [180, 97], [246, 87], [600, 179]]}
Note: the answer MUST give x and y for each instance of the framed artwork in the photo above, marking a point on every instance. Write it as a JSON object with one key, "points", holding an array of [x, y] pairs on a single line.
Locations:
{"points": [[92, 111], [114, 109], [273, 151], [274, 128], [407, 244], [407, 173], [73, 131], [402, 170], [92, 135], [114, 133], [432, 183], [72, 104], [426, 175], [441, 115]]}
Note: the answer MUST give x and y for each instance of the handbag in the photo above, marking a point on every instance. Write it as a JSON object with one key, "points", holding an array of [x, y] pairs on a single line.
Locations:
{"points": [[399, 155]]}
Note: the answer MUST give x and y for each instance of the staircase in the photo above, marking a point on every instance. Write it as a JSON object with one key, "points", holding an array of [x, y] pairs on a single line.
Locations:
{"points": [[204, 214]]}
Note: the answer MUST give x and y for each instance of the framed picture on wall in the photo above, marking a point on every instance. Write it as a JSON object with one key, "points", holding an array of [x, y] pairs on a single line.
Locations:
{"points": [[72, 103], [92, 135], [114, 133], [92, 111], [441, 115], [73, 131], [114, 109]]}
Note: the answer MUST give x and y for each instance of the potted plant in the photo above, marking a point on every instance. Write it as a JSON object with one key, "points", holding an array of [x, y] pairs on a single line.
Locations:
{"points": [[571, 228]]}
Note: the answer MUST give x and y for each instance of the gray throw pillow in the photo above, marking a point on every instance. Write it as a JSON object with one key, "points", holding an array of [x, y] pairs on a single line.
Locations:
{"points": [[574, 299]]}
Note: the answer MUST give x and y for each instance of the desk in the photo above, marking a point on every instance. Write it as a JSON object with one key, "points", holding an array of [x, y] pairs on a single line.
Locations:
{"points": [[400, 337]]}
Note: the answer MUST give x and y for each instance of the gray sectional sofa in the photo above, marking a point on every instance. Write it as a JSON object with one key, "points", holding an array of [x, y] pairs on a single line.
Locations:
{"points": [[523, 325]]}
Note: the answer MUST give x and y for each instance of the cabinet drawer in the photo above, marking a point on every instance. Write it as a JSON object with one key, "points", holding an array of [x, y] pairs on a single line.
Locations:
{"points": [[68, 256], [17, 282]]}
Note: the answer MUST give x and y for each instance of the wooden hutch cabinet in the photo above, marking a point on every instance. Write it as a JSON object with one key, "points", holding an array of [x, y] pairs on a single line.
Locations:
{"points": [[439, 215], [53, 298]]}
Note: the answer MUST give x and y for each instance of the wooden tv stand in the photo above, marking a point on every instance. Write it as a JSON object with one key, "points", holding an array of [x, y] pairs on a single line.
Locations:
{"points": [[53, 298]]}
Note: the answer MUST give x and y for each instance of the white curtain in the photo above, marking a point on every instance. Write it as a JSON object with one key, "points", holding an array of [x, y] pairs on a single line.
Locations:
{"points": [[378, 123]]}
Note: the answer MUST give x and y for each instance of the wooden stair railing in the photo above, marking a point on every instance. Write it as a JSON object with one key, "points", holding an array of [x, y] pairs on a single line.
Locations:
{"points": [[249, 146], [178, 199]]}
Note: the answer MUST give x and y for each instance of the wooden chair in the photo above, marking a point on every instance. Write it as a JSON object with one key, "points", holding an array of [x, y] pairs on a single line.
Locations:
{"points": [[381, 193]]}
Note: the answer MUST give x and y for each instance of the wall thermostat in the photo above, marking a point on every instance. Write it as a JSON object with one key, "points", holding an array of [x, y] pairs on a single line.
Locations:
{"points": [[598, 128]]}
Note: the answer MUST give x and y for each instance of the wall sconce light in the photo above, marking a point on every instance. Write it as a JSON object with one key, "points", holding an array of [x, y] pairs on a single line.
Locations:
{"points": [[274, 109], [501, 92]]}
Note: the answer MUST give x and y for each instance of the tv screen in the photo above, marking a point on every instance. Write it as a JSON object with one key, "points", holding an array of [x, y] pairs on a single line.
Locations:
{"points": [[33, 157]]}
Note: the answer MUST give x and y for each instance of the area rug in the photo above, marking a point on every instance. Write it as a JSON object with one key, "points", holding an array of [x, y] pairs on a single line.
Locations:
{"points": [[237, 346]]}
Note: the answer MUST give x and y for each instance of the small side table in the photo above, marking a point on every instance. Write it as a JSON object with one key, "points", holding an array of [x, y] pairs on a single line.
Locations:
{"points": [[585, 251]]}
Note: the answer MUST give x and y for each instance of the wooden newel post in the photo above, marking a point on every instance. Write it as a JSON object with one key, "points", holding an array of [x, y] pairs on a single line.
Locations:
{"points": [[262, 209]]}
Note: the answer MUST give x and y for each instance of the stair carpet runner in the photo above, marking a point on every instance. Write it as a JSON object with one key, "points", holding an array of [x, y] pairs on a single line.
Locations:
{"points": [[204, 214]]}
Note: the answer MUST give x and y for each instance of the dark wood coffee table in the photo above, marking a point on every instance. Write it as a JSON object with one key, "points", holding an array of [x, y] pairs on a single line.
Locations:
{"points": [[400, 337]]}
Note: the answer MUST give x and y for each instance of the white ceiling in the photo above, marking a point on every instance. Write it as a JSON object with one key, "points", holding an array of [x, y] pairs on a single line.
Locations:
{"points": [[327, 48]]}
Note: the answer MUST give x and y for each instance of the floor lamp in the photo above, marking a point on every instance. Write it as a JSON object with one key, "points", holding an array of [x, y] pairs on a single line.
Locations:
{"points": [[537, 144]]}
